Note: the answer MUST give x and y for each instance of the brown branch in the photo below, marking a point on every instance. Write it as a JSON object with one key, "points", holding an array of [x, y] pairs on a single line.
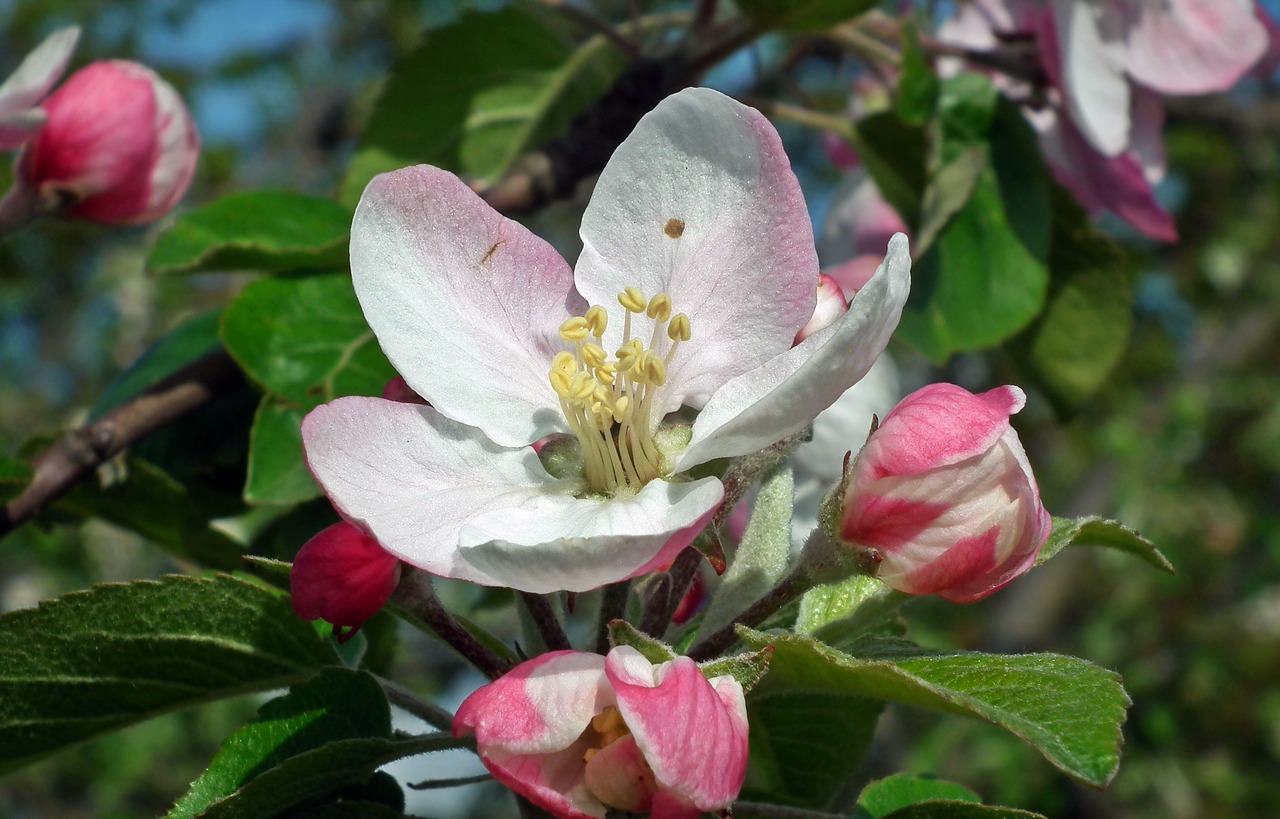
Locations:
{"points": [[545, 620], [79, 452]]}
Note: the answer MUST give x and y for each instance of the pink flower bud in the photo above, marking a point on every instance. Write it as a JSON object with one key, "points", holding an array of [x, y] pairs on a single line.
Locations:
{"points": [[577, 733], [343, 576], [118, 146], [944, 493]]}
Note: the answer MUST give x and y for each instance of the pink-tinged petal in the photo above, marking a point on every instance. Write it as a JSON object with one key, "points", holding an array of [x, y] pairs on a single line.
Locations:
{"points": [[1089, 36], [553, 782], [38, 72], [694, 736], [780, 398], [859, 223], [540, 706], [414, 478], [619, 777], [1270, 61], [20, 127], [700, 202], [179, 150], [831, 306], [1146, 133], [343, 576], [397, 390], [1192, 46], [466, 303], [939, 425], [965, 561], [888, 523], [558, 542]]}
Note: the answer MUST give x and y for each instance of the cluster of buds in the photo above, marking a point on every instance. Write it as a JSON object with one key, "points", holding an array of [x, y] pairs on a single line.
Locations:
{"points": [[112, 144]]}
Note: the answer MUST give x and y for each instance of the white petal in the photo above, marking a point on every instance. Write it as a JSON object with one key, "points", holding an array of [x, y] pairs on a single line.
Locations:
{"points": [[700, 202], [565, 543], [413, 478], [1090, 37], [466, 303], [39, 71], [20, 127], [778, 399]]}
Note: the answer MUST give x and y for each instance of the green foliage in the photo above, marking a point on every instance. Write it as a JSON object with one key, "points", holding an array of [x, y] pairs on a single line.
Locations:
{"points": [[273, 231], [840, 614], [304, 340], [884, 796], [748, 669], [1067, 708], [802, 15], [14, 477], [460, 104], [97, 660], [1096, 531], [918, 87], [622, 633]]}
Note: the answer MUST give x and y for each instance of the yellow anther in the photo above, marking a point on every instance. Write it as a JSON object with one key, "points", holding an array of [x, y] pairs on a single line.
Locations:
{"points": [[564, 362], [574, 329], [633, 300], [593, 355], [581, 387], [621, 407], [655, 372], [629, 355], [606, 373], [561, 382], [597, 320], [679, 329], [660, 307]]}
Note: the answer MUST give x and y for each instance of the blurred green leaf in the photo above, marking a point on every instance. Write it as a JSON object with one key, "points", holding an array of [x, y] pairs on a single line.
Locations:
{"points": [[14, 477], [894, 154], [273, 231], [336, 704], [986, 276], [1096, 531], [1067, 708], [278, 474], [884, 796], [459, 103], [98, 660], [802, 14], [195, 337], [147, 500], [304, 339], [918, 85]]}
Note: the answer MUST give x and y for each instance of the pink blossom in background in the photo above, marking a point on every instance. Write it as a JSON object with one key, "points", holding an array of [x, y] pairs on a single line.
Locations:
{"points": [[577, 734], [944, 492], [696, 239], [343, 577], [21, 118], [118, 146]]}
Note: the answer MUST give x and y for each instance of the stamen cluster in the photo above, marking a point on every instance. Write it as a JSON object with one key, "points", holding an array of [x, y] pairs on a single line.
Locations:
{"points": [[608, 401]]}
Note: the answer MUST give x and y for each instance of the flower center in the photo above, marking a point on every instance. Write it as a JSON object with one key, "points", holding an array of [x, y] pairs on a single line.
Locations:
{"points": [[608, 401]]}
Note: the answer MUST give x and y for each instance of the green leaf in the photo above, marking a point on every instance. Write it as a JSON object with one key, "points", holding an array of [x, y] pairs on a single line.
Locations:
{"points": [[957, 809], [894, 154], [195, 337], [622, 633], [304, 339], [315, 773], [1078, 340], [98, 660], [14, 477], [1096, 531], [802, 15], [986, 276], [273, 231], [278, 473], [336, 704], [918, 86], [149, 501], [840, 614], [761, 559], [748, 669], [884, 796], [459, 103], [1068, 709]]}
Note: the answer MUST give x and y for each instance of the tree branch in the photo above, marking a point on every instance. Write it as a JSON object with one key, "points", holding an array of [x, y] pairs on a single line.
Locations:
{"points": [[79, 452]]}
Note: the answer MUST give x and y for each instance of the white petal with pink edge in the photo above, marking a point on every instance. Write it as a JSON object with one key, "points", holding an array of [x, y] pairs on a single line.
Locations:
{"points": [[1090, 39], [780, 398], [700, 203], [38, 72], [693, 735], [413, 478], [466, 303], [1192, 46], [560, 542]]}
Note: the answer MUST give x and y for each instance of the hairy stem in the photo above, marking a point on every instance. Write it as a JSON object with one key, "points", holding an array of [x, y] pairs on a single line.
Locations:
{"points": [[545, 620], [417, 600]]}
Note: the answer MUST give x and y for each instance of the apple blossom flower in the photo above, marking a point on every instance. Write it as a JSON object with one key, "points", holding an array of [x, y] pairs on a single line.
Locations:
{"points": [[118, 146], [697, 271], [343, 577], [577, 734], [20, 116], [944, 493]]}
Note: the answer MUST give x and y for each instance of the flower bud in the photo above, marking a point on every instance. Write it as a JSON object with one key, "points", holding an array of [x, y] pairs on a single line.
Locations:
{"points": [[343, 576], [944, 494], [830, 306], [118, 146]]}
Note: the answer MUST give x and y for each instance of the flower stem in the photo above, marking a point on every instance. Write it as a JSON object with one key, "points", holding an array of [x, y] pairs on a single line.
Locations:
{"points": [[417, 601], [428, 712], [715, 644], [545, 620], [613, 606], [662, 606]]}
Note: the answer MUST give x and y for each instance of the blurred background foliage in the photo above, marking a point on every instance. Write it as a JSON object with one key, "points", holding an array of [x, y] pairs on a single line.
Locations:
{"points": [[1182, 441]]}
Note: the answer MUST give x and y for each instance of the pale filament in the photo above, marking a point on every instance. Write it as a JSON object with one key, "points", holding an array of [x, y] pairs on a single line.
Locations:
{"points": [[608, 401]]}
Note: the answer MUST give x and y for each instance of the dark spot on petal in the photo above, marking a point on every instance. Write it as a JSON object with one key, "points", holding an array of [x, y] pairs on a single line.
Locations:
{"points": [[674, 228], [492, 250]]}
